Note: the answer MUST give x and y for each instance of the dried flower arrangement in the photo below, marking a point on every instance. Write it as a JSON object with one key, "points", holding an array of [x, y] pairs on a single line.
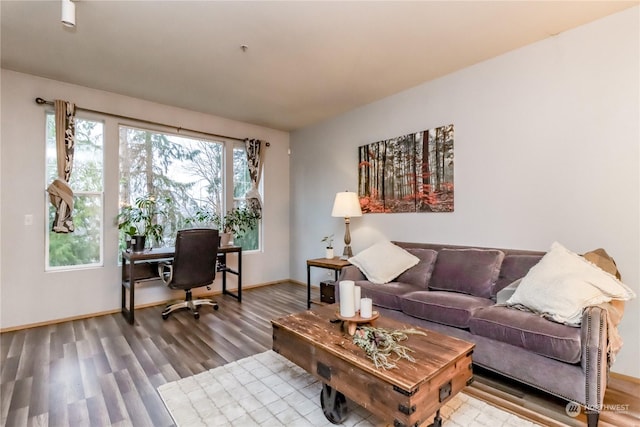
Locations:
{"points": [[380, 344]]}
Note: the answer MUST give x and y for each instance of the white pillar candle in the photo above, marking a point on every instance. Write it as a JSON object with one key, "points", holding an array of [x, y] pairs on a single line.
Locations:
{"points": [[347, 303], [356, 297], [366, 308]]}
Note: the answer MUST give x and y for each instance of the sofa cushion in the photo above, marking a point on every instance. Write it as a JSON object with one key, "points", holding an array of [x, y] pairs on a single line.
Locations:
{"points": [[383, 261], [563, 283], [420, 273], [529, 331], [514, 267], [387, 295], [449, 308], [469, 271]]}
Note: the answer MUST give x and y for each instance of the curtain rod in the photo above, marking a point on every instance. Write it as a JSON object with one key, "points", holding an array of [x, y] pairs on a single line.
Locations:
{"points": [[42, 101]]}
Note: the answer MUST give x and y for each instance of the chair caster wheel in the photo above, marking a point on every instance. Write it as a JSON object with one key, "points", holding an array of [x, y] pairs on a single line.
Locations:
{"points": [[165, 316], [196, 315], [215, 307]]}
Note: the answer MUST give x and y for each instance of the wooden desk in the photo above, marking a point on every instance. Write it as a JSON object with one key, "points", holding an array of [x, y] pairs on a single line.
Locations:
{"points": [[143, 266], [336, 264]]}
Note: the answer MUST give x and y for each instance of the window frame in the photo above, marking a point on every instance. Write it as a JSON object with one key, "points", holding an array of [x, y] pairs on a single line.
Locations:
{"points": [[241, 145], [47, 205], [228, 146]]}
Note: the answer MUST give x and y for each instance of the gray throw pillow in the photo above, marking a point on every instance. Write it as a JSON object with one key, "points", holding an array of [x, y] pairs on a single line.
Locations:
{"points": [[469, 271]]}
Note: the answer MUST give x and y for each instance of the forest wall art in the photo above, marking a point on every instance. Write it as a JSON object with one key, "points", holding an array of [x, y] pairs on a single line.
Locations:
{"points": [[409, 173]]}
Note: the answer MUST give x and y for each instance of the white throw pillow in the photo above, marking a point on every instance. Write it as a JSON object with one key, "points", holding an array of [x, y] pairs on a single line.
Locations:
{"points": [[383, 262], [563, 283]]}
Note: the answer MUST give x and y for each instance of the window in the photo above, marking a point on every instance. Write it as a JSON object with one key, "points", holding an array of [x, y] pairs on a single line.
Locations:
{"points": [[83, 247], [188, 172], [250, 241]]}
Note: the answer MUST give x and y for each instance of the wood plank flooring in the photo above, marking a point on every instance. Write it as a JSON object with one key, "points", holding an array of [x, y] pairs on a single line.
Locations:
{"points": [[102, 371]]}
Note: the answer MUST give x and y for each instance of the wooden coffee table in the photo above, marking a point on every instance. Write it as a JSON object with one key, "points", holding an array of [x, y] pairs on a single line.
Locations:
{"points": [[406, 396]]}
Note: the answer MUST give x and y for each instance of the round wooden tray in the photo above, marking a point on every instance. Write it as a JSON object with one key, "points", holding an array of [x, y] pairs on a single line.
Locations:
{"points": [[353, 322]]}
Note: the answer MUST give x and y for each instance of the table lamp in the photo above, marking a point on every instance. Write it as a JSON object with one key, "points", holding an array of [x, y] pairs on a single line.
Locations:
{"points": [[346, 205]]}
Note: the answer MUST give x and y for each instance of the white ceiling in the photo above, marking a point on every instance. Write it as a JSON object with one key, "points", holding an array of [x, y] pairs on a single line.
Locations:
{"points": [[305, 62]]}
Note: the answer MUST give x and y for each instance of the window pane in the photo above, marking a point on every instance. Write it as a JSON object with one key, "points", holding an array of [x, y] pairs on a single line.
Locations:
{"points": [[186, 171], [250, 241], [87, 173], [83, 247], [241, 179], [52, 172]]}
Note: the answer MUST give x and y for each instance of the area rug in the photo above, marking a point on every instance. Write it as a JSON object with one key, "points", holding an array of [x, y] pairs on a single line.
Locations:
{"points": [[268, 390]]}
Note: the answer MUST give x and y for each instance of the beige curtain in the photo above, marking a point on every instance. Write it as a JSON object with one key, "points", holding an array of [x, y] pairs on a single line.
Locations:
{"points": [[60, 194], [255, 160]]}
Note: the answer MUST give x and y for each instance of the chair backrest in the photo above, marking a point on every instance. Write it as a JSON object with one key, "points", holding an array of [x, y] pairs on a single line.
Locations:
{"points": [[194, 263]]}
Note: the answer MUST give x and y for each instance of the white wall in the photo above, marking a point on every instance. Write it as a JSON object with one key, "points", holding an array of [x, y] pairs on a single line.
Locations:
{"points": [[29, 294], [546, 148]]}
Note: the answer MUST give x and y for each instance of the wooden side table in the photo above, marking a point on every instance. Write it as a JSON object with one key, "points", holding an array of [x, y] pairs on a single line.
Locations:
{"points": [[336, 264]]}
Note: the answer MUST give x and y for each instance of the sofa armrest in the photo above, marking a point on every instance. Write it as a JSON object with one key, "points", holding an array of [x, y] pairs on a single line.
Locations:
{"points": [[594, 360], [351, 272]]}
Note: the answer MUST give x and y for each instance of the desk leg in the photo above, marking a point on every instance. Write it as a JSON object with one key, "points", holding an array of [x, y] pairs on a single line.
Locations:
{"points": [[123, 308], [224, 273], [224, 270], [308, 286], [128, 312], [132, 291], [240, 276]]}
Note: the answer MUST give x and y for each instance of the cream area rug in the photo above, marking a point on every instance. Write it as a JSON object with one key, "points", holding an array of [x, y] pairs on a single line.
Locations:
{"points": [[268, 390]]}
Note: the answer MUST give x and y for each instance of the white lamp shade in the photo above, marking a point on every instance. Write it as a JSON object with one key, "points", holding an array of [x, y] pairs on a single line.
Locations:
{"points": [[68, 13], [346, 205]]}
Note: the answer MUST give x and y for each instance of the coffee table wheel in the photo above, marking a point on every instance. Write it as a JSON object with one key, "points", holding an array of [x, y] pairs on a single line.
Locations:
{"points": [[334, 404], [437, 420]]}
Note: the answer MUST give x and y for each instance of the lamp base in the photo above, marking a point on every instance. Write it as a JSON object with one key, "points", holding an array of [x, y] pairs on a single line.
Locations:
{"points": [[347, 253]]}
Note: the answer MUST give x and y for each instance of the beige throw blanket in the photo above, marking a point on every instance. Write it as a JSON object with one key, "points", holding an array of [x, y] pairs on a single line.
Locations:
{"points": [[614, 340], [615, 308]]}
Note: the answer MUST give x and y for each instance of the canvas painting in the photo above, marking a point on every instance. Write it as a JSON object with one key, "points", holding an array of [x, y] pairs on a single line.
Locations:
{"points": [[409, 173]]}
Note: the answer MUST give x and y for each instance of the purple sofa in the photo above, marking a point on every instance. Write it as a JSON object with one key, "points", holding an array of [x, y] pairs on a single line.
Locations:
{"points": [[453, 290]]}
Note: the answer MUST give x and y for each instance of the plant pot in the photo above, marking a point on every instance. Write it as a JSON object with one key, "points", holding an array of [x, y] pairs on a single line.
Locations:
{"points": [[329, 254], [137, 243], [225, 239]]}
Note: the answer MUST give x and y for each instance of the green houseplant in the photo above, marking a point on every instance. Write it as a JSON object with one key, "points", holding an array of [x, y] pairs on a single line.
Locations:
{"points": [[139, 222], [329, 239], [235, 222]]}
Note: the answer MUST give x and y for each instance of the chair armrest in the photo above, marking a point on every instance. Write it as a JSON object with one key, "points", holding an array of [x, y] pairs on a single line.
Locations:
{"points": [[594, 360], [165, 271], [351, 272]]}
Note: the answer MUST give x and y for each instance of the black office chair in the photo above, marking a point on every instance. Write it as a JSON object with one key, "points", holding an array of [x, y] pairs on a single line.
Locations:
{"points": [[193, 266]]}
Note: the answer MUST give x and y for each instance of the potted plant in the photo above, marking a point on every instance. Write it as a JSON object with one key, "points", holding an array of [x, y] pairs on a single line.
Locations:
{"points": [[139, 222], [235, 222], [329, 240]]}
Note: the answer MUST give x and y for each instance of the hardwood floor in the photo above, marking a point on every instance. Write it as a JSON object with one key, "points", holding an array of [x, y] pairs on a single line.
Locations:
{"points": [[102, 371]]}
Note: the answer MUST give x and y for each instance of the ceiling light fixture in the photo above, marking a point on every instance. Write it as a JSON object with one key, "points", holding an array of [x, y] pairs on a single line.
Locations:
{"points": [[68, 13]]}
